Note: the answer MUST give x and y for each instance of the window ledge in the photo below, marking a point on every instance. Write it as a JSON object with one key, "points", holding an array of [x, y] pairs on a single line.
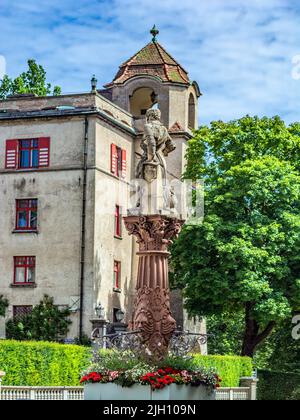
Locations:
{"points": [[25, 231], [23, 286], [117, 290]]}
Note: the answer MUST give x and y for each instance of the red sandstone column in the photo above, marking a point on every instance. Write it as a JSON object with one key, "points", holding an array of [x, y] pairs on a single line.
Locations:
{"points": [[152, 315]]}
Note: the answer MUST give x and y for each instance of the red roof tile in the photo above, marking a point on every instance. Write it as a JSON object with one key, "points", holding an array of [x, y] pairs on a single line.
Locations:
{"points": [[152, 60]]}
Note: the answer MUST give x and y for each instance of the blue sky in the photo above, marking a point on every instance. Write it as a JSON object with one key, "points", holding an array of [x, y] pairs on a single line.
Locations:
{"points": [[239, 51]]}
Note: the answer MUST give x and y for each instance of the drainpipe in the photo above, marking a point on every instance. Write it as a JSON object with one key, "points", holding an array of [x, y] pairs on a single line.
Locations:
{"points": [[83, 226]]}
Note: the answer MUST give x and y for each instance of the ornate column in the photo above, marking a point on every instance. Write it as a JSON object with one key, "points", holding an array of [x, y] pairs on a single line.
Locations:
{"points": [[152, 315]]}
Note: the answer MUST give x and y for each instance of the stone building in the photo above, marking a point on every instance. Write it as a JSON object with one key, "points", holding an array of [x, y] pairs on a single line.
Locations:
{"points": [[65, 166]]}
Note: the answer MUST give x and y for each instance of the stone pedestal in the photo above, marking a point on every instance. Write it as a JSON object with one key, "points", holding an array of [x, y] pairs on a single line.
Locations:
{"points": [[152, 315]]}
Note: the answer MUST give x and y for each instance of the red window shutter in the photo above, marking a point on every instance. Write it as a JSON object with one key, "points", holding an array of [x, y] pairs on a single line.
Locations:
{"points": [[44, 151], [11, 159], [114, 159], [124, 164]]}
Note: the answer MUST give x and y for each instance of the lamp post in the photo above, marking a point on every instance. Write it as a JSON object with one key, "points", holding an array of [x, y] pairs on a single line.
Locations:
{"points": [[99, 323], [119, 326]]}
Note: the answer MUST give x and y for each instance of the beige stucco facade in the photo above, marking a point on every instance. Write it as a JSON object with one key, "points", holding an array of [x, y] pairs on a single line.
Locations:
{"points": [[78, 124]]}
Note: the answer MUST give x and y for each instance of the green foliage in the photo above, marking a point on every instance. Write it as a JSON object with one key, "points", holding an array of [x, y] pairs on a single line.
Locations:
{"points": [[245, 257], [216, 149], [285, 353], [32, 81], [278, 352], [3, 305], [229, 368], [274, 386], [46, 322], [41, 363], [226, 332], [295, 395], [85, 340]]}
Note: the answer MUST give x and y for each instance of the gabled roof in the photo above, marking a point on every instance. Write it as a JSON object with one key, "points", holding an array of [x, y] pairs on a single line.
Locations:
{"points": [[152, 60], [176, 127]]}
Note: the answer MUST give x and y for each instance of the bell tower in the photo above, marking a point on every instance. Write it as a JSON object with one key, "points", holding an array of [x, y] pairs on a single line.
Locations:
{"points": [[152, 77]]}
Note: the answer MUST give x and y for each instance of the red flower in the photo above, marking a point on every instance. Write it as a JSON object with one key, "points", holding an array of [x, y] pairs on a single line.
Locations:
{"points": [[170, 371]]}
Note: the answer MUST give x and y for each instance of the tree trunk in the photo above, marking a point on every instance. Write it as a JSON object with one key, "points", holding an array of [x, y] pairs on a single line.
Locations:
{"points": [[252, 337]]}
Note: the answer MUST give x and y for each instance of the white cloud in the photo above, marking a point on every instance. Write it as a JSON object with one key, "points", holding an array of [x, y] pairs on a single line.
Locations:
{"points": [[240, 52]]}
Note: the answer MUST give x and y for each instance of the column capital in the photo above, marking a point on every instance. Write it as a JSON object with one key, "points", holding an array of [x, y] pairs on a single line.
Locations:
{"points": [[155, 232]]}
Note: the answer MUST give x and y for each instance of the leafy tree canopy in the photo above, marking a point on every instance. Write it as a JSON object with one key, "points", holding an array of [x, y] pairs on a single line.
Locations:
{"points": [[245, 256], [31, 81]]}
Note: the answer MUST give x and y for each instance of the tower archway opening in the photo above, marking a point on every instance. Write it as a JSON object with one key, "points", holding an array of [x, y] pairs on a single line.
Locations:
{"points": [[141, 100], [192, 112]]}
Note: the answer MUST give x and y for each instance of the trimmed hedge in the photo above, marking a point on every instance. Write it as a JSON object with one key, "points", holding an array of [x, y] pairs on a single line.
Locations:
{"points": [[41, 363], [230, 368], [275, 386], [52, 364]]}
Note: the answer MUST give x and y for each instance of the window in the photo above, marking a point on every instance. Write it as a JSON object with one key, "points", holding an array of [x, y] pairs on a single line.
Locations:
{"points": [[118, 161], [115, 317], [24, 272], [118, 222], [192, 112], [26, 211], [19, 312], [27, 153], [117, 275]]}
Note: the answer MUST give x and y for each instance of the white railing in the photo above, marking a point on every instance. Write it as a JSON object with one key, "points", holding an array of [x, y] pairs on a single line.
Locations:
{"points": [[76, 393], [233, 394], [41, 393]]}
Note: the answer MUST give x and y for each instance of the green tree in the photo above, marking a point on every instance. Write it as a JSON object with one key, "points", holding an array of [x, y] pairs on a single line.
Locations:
{"points": [[3, 305], [46, 322], [31, 81], [225, 333], [286, 350], [245, 256]]}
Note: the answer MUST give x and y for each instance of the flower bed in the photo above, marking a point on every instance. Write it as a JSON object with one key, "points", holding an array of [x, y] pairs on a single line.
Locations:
{"points": [[157, 379], [123, 376]]}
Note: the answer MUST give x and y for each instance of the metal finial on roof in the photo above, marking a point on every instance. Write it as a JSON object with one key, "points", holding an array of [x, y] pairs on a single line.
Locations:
{"points": [[154, 32]]}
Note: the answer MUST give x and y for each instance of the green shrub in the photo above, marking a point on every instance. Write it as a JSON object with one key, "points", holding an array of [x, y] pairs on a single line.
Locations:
{"points": [[46, 322], [274, 386], [295, 395], [42, 363], [229, 368]]}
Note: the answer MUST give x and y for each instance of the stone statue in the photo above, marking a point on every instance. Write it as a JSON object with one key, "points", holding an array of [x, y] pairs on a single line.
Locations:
{"points": [[156, 144]]}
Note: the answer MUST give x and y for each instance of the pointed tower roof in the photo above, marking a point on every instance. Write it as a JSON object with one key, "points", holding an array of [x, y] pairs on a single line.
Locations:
{"points": [[152, 60]]}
